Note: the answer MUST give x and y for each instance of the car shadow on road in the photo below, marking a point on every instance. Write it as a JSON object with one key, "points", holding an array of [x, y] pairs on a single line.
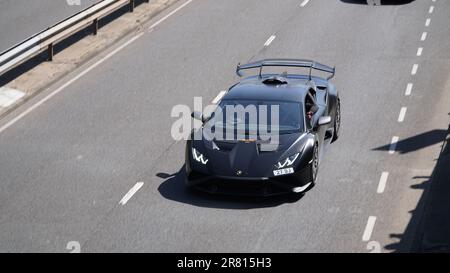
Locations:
{"points": [[174, 188], [429, 227], [378, 2], [417, 142]]}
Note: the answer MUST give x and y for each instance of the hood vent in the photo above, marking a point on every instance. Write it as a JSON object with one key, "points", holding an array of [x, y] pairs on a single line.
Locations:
{"points": [[229, 146]]}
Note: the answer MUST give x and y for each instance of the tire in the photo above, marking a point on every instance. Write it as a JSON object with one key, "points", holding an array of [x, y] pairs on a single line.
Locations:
{"points": [[314, 170], [337, 121]]}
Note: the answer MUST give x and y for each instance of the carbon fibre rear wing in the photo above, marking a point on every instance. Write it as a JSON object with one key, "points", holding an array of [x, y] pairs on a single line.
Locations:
{"points": [[312, 65]]}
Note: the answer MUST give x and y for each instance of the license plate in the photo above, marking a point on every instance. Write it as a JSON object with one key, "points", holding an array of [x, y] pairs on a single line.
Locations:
{"points": [[283, 171]]}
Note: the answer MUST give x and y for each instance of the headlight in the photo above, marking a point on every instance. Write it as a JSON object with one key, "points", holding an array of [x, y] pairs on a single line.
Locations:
{"points": [[287, 162], [199, 157]]}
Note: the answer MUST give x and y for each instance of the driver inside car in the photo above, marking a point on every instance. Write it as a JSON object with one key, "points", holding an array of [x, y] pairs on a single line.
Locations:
{"points": [[311, 108]]}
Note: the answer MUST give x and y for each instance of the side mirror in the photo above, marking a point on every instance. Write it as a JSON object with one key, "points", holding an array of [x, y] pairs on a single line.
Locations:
{"points": [[324, 120]]}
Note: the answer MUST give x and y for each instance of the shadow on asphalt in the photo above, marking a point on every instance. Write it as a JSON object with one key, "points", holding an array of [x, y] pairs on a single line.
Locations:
{"points": [[378, 2], [173, 188], [67, 42], [417, 142], [429, 227]]}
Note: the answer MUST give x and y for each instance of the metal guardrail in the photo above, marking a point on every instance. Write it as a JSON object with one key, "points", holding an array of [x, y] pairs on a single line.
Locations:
{"points": [[45, 40]]}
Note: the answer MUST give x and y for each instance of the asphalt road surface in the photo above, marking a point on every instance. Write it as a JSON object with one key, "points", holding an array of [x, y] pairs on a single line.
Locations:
{"points": [[19, 19], [67, 164]]}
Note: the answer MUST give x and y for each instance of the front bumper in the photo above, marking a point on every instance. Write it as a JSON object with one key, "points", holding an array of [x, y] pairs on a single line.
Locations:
{"points": [[248, 186]]}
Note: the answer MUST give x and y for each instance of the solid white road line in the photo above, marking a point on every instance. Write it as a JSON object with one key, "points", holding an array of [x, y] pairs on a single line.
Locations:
{"points": [[219, 97], [130, 193], [419, 51], [393, 145], [270, 40], [424, 36], [414, 69], [369, 228], [52, 94], [9, 96], [409, 88], [304, 3], [401, 116], [427, 22], [74, 79], [431, 10], [382, 183], [170, 14]]}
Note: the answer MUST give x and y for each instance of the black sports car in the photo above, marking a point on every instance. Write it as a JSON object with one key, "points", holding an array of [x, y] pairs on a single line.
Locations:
{"points": [[308, 118]]}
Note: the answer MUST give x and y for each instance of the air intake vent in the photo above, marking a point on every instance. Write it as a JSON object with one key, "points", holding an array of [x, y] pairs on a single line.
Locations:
{"points": [[275, 80]]}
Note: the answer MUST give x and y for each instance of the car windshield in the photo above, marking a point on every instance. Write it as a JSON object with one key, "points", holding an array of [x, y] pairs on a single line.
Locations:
{"points": [[260, 117]]}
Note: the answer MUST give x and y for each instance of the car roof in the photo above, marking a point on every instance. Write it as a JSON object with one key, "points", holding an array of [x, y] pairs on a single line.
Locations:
{"points": [[257, 88]]}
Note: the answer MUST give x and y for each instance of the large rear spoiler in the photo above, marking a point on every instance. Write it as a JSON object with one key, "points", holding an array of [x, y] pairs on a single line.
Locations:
{"points": [[288, 63]]}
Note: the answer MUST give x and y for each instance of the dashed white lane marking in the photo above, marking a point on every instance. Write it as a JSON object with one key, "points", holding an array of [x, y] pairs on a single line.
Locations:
{"points": [[369, 228], [304, 3], [409, 88], [219, 97], [419, 51], [130, 193], [384, 175], [270, 40], [401, 116], [383, 180], [424, 36], [61, 88], [393, 145], [414, 69], [9, 96]]}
